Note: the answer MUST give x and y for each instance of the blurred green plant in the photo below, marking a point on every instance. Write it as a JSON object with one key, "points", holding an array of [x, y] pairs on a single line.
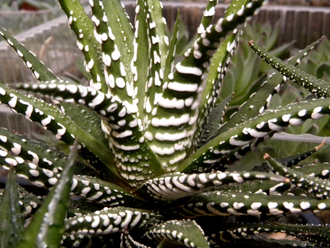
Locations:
{"points": [[246, 72]]}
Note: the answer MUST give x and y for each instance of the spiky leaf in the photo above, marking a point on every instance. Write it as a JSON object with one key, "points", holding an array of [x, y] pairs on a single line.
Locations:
{"points": [[47, 227], [11, 218]]}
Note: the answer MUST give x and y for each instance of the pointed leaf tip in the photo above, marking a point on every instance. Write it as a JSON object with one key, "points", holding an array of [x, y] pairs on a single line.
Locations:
{"points": [[320, 145], [266, 156]]}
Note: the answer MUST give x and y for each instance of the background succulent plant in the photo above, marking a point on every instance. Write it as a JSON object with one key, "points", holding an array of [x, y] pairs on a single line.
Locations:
{"points": [[150, 155], [247, 72], [302, 137]]}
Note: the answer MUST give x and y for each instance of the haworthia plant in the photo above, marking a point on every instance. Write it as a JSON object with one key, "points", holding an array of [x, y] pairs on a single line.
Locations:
{"points": [[154, 157]]}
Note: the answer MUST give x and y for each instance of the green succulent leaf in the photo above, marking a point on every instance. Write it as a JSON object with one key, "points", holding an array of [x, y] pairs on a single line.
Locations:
{"points": [[39, 71], [47, 227], [214, 122], [289, 161], [295, 159], [112, 220], [317, 186], [120, 126], [172, 187], [178, 232], [115, 74], [51, 118], [83, 28], [129, 242], [321, 170], [39, 154], [89, 121], [261, 240], [172, 49], [11, 217], [250, 131], [260, 101], [30, 202], [39, 177], [148, 74], [207, 16], [267, 187], [317, 235], [155, 8], [176, 118], [310, 82], [122, 29], [37, 110], [103, 192], [215, 77], [224, 203]]}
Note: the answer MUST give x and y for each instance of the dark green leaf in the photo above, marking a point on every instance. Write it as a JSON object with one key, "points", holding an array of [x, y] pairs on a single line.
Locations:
{"points": [[83, 28], [39, 70], [308, 81], [47, 226], [178, 232], [11, 218]]}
